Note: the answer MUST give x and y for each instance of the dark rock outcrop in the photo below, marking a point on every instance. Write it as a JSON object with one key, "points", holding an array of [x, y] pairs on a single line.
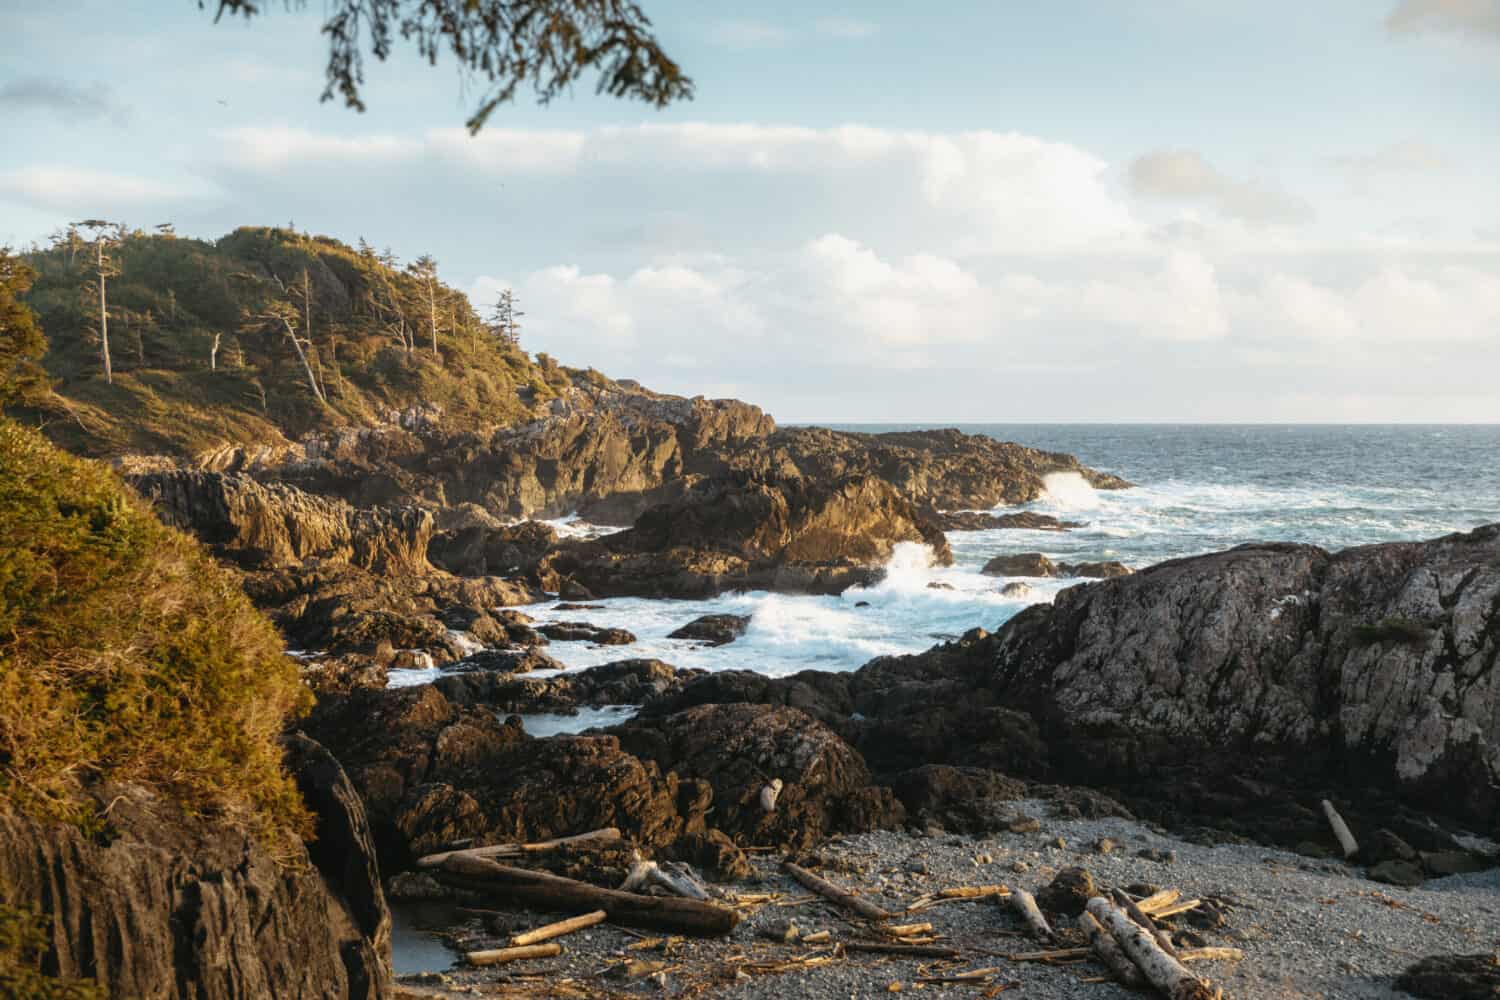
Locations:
{"points": [[257, 524], [173, 905], [1453, 977], [1021, 564], [624, 682], [584, 632], [713, 630], [738, 749], [1374, 664], [977, 520], [743, 532]]}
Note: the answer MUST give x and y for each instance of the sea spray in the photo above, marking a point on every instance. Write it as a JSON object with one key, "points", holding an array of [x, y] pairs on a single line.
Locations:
{"points": [[1069, 491]]}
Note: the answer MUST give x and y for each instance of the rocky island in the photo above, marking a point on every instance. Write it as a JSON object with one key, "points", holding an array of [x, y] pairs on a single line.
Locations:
{"points": [[392, 515]]}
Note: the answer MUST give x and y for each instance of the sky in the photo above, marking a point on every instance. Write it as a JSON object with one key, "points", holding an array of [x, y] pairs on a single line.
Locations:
{"points": [[1085, 210]]}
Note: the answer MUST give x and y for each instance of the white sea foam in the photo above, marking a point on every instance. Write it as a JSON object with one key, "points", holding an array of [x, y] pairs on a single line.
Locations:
{"points": [[1069, 491]]}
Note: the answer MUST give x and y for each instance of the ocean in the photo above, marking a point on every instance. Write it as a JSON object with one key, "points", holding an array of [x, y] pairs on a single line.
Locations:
{"points": [[1199, 488]]}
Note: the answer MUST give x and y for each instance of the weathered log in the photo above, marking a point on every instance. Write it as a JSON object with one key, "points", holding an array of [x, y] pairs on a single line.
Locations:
{"points": [[638, 876], [1176, 908], [1163, 939], [769, 794], [542, 891], [1158, 901], [1160, 969], [1346, 840], [678, 878], [495, 956], [907, 930], [550, 931], [608, 835], [910, 950], [834, 894], [1210, 955], [1024, 903], [1107, 950]]}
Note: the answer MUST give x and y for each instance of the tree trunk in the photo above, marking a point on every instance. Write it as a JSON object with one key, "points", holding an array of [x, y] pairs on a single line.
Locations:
{"points": [[302, 356], [432, 316], [213, 354], [109, 373]]}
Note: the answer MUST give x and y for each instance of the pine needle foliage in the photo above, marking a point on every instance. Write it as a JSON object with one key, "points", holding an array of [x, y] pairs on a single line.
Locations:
{"points": [[128, 655]]}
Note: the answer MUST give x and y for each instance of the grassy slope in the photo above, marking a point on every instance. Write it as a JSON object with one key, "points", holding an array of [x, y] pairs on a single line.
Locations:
{"points": [[173, 296]]}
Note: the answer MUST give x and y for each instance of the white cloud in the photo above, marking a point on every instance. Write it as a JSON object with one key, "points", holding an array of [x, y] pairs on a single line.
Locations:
{"points": [[81, 191], [846, 27], [1184, 175], [1408, 157], [745, 33], [277, 147], [1478, 19]]}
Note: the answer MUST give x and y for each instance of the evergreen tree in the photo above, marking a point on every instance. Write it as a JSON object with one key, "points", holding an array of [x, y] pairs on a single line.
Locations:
{"points": [[22, 345]]}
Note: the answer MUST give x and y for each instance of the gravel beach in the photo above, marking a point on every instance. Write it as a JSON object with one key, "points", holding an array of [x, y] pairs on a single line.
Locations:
{"points": [[1308, 928]]}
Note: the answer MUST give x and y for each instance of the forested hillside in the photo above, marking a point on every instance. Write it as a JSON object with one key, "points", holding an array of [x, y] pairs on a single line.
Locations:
{"points": [[262, 336]]}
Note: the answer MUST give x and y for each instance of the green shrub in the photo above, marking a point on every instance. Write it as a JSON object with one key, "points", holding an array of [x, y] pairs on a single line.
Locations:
{"points": [[127, 655]]}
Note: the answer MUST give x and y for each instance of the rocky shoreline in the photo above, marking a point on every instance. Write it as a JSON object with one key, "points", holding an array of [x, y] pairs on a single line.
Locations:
{"points": [[1217, 699]]}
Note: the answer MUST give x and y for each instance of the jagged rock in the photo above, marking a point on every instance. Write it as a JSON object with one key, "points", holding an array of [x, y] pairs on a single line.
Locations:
{"points": [[972, 520], [584, 632], [258, 524], [737, 749], [1068, 893], [1403, 873], [971, 800], [538, 789], [714, 630], [713, 853], [1016, 589], [623, 682], [480, 545], [1022, 564], [173, 905], [1094, 570], [515, 660], [748, 533], [1453, 977], [1384, 845], [1377, 657]]}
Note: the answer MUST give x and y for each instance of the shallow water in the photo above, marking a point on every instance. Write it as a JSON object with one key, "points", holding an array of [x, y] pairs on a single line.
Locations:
{"points": [[1200, 488]]}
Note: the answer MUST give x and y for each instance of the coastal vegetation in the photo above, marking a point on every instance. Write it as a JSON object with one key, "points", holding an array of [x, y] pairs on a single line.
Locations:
{"points": [[260, 337], [128, 656]]}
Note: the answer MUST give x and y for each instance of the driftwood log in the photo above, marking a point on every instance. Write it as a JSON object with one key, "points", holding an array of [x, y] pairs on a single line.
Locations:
{"points": [[542, 891], [769, 793], [1346, 840], [1163, 939], [1107, 950], [608, 835], [495, 956], [834, 894], [1160, 969], [1024, 903], [550, 931]]}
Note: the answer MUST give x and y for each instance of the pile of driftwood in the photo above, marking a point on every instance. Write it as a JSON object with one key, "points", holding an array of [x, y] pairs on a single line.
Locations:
{"points": [[1115, 929], [479, 870], [1123, 936]]}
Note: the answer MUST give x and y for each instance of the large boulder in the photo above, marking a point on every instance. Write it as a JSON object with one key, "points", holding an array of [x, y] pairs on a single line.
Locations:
{"points": [[1376, 660], [744, 532], [739, 749]]}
